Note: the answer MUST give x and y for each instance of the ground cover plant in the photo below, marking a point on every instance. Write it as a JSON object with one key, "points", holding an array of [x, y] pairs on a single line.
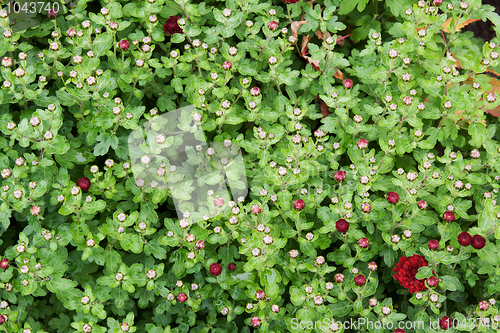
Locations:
{"points": [[237, 166]]}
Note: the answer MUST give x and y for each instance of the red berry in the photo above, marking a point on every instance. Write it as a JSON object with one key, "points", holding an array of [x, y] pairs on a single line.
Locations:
{"points": [[363, 242], [360, 280], [464, 238], [231, 266], [422, 204], [392, 197], [445, 322], [362, 144], [124, 44], [347, 83], [340, 176], [182, 297], [4, 263], [215, 269], [84, 184], [342, 225], [299, 204], [478, 242], [432, 281], [433, 244], [449, 216]]}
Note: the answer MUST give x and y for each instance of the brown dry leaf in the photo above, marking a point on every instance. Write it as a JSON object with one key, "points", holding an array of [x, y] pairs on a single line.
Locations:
{"points": [[314, 63], [446, 24], [305, 42], [324, 108], [339, 74], [295, 27], [321, 35]]}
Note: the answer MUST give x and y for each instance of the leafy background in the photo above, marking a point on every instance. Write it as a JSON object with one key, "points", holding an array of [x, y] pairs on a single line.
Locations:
{"points": [[309, 69]]}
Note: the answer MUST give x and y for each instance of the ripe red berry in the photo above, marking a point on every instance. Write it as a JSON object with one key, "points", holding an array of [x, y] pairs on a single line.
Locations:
{"points": [[360, 280], [445, 322], [124, 44], [215, 269], [433, 244], [422, 204], [392, 197], [478, 242], [449, 216], [340, 175], [432, 281], [299, 204], [4, 263], [83, 184], [231, 266], [342, 225], [464, 238], [182, 297], [348, 83], [363, 242]]}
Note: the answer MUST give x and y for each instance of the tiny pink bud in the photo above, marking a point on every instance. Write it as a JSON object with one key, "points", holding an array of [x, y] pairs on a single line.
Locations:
{"points": [[348, 83], [273, 25], [124, 44]]}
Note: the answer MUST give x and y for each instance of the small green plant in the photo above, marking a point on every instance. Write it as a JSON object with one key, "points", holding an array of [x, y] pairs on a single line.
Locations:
{"points": [[184, 166]]}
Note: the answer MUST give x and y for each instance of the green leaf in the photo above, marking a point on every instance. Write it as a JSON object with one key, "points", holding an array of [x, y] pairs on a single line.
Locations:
{"points": [[478, 133], [398, 7], [424, 273], [489, 253], [341, 308], [57, 284], [102, 43], [452, 283], [113, 260]]}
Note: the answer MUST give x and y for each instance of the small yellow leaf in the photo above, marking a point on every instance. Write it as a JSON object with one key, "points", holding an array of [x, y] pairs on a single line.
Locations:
{"points": [[446, 24]]}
